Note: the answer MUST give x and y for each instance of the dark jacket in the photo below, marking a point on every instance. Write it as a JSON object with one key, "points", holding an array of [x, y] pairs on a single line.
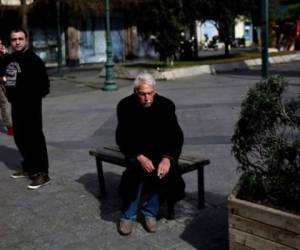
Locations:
{"points": [[2, 64], [154, 132], [3, 60], [26, 76]]}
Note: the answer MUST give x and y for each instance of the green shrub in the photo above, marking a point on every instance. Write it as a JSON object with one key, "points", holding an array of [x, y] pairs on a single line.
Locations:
{"points": [[266, 143]]}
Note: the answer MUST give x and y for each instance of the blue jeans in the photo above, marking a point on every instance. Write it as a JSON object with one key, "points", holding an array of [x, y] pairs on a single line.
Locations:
{"points": [[149, 207]]}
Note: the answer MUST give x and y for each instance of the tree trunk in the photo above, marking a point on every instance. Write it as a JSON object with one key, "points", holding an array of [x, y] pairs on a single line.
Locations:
{"points": [[226, 33], [227, 48], [73, 46], [170, 61], [23, 12]]}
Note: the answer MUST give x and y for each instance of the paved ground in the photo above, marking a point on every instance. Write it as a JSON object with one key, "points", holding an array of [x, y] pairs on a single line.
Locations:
{"points": [[78, 115]]}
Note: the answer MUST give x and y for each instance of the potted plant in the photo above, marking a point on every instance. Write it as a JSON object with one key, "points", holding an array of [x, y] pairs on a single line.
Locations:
{"points": [[264, 207]]}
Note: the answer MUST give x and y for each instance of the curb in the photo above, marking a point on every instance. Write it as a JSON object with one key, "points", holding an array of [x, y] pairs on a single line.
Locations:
{"points": [[125, 73]]}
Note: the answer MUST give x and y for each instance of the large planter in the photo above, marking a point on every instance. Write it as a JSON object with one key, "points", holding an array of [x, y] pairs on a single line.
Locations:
{"points": [[254, 226]]}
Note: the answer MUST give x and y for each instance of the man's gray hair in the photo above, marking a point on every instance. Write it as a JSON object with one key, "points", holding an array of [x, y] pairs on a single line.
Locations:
{"points": [[147, 78]]}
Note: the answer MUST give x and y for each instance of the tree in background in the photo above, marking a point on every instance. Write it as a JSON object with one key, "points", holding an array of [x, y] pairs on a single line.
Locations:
{"points": [[23, 12], [168, 19], [252, 9], [293, 12], [224, 14], [75, 7], [292, 17]]}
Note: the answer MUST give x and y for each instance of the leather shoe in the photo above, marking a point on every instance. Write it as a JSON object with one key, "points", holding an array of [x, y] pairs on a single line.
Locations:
{"points": [[151, 224], [125, 226]]}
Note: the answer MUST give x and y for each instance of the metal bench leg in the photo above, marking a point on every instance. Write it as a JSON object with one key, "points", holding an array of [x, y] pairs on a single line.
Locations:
{"points": [[201, 187], [170, 210], [101, 178]]}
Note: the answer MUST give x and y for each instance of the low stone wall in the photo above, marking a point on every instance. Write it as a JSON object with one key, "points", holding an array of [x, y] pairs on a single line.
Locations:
{"points": [[169, 74]]}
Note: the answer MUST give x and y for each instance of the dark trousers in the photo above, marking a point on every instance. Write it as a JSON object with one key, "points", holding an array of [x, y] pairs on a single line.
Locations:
{"points": [[29, 136]]}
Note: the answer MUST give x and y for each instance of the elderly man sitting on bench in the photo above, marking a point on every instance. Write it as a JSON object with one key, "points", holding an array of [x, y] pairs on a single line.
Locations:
{"points": [[149, 136]]}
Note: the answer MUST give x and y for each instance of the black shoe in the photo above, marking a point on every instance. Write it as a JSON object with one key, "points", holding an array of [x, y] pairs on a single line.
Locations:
{"points": [[39, 180], [20, 174]]}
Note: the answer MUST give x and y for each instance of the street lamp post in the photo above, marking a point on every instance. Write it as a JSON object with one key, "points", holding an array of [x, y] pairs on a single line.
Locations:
{"points": [[109, 83], [265, 38]]}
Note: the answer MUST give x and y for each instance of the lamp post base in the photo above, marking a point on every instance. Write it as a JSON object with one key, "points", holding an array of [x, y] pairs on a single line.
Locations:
{"points": [[109, 83], [110, 86]]}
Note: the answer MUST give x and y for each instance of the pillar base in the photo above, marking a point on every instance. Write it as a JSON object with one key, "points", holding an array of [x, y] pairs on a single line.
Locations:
{"points": [[110, 86]]}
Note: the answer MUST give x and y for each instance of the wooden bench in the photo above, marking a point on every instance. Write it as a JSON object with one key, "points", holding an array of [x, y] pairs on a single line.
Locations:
{"points": [[114, 156]]}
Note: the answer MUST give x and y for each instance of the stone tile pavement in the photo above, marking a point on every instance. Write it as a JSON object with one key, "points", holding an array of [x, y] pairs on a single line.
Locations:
{"points": [[78, 115]]}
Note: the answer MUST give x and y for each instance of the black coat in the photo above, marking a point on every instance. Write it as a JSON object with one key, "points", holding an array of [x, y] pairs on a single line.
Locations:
{"points": [[2, 64], [27, 78], [155, 133], [26, 84]]}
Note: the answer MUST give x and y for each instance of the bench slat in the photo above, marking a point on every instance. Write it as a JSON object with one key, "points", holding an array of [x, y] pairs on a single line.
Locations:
{"points": [[110, 156], [114, 156], [182, 158]]}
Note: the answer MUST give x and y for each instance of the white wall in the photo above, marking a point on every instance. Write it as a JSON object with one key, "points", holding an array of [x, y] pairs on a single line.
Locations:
{"points": [[239, 29], [14, 2]]}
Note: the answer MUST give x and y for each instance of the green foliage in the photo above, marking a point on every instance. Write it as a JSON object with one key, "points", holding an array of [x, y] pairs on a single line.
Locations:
{"points": [[169, 19], [293, 12], [222, 12], [75, 8], [266, 143]]}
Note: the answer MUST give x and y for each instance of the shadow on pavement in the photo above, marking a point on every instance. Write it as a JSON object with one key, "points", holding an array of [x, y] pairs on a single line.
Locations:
{"points": [[110, 205], [10, 157], [204, 229], [208, 228]]}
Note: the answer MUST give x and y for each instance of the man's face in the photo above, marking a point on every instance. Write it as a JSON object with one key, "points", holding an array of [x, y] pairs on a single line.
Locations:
{"points": [[18, 41], [145, 94]]}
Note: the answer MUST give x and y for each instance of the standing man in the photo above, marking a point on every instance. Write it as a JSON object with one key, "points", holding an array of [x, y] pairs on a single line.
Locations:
{"points": [[151, 139], [26, 84]]}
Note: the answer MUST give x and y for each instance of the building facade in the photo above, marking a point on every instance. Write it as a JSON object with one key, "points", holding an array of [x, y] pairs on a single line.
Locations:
{"points": [[82, 36]]}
